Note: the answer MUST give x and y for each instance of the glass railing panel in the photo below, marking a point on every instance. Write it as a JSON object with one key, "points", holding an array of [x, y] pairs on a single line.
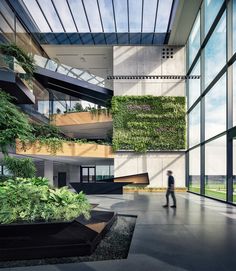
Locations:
{"points": [[63, 69], [40, 61], [10, 63], [52, 65], [69, 71]]}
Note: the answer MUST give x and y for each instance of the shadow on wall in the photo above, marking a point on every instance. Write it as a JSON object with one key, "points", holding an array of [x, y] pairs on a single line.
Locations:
{"points": [[143, 60], [139, 163]]}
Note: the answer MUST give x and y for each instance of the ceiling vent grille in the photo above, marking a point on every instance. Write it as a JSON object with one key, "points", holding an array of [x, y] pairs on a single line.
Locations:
{"points": [[167, 52]]}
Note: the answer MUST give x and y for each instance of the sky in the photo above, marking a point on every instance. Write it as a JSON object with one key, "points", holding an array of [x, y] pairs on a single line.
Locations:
{"points": [[149, 7]]}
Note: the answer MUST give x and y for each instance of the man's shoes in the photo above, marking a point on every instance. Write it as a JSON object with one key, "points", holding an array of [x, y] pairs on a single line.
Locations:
{"points": [[173, 206], [165, 206]]}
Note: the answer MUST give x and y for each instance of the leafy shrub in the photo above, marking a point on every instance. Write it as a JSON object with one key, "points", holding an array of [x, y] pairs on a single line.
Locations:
{"points": [[20, 167], [25, 61], [45, 130], [13, 123], [24, 201], [38, 181], [144, 123]]}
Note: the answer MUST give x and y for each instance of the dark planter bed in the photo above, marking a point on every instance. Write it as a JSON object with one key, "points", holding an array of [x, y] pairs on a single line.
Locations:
{"points": [[54, 239]]}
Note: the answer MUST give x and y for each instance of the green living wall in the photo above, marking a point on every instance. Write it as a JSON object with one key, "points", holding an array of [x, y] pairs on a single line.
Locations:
{"points": [[143, 123]]}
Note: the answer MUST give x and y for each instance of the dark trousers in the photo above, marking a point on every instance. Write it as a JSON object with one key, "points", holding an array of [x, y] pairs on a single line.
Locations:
{"points": [[172, 193]]}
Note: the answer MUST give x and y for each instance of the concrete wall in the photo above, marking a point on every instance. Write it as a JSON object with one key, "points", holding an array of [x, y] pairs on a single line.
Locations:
{"points": [[155, 163], [148, 60]]}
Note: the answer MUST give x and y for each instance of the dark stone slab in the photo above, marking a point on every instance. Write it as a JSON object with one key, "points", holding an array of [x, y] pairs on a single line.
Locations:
{"points": [[76, 238]]}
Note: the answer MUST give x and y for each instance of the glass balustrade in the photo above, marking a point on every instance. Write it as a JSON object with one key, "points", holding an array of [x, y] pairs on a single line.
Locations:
{"points": [[55, 66], [10, 63]]}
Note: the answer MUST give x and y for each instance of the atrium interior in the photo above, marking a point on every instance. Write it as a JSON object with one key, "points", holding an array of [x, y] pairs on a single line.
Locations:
{"points": [[100, 100]]}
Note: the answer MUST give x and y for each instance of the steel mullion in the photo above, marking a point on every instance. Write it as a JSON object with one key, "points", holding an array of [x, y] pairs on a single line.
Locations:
{"points": [[128, 20], [86, 15], [169, 23], [202, 109], [141, 37], [59, 17], [54, 6], [114, 17], [44, 16], [155, 21], [73, 18], [100, 15], [229, 99], [47, 20], [76, 27]]}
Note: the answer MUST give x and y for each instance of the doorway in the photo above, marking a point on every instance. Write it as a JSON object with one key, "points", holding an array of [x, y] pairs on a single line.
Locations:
{"points": [[88, 174], [61, 179]]}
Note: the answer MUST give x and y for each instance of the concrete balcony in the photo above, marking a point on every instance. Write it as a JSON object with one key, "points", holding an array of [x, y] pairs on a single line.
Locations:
{"points": [[84, 124]]}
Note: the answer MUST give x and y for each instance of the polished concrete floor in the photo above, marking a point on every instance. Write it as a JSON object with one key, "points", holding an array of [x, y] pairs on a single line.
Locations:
{"points": [[199, 235]]}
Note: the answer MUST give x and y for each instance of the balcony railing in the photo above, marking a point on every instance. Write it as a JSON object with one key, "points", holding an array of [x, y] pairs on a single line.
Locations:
{"points": [[10, 63], [83, 75]]}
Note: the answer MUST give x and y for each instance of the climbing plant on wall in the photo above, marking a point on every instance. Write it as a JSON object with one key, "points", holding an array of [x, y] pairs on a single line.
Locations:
{"points": [[143, 123]]}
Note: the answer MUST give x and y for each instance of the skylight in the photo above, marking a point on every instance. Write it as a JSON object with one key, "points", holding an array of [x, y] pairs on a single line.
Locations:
{"points": [[101, 16]]}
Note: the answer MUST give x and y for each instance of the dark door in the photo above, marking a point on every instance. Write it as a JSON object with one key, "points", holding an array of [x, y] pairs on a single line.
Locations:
{"points": [[61, 179], [88, 174]]}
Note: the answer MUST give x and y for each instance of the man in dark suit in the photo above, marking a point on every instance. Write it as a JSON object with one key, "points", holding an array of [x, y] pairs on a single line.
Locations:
{"points": [[170, 190]]}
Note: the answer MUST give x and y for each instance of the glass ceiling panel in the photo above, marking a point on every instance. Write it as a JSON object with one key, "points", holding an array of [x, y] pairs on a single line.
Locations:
{"points": [[93, 15], [65, 15], [163, 15], [79, 15], [37, 15], [149, 15], [117, 20], [121, 13], [51, 15], [107, 15], [135, 15]]}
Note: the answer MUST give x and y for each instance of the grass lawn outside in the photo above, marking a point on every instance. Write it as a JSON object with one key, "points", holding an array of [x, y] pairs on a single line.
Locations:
{"points": [[214, 193]]}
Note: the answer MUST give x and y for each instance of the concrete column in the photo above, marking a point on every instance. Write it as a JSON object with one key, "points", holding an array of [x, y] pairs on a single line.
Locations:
{"points": [[48, 170]]}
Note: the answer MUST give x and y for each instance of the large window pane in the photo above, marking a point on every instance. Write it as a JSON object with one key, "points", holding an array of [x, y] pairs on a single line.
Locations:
{"points": [[215, 51], [93, 15], [194, 170], [163, 15], [7, 12], [51, 15], [6, 30], [215, 168], [194, 85], [65, 15], [121, 15], [234, 25], [6, 22], [215, 109], [135, 15], [194, 40], [234, 94], [102, 172], [37, 15], [211, 7], [107, 15], [194, 126]]}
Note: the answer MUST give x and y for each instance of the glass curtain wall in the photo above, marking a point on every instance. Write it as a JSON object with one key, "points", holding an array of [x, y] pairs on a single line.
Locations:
{"points": [[211, 155]]}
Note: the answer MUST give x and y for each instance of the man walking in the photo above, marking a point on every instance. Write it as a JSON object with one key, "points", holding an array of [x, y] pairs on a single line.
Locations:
{"points": [[170, 190]]}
